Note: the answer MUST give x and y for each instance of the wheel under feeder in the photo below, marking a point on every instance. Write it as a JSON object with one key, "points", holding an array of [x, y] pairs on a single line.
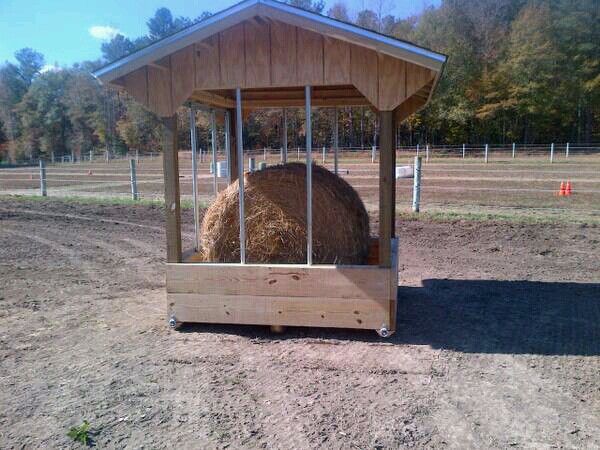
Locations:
{"points": [[266, 54]]}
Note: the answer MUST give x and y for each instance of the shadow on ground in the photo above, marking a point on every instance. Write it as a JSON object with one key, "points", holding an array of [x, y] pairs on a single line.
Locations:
{"points": [[476, 316]]}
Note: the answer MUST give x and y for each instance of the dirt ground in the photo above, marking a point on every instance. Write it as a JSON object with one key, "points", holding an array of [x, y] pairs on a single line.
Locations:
{"points": [[498, 344]]}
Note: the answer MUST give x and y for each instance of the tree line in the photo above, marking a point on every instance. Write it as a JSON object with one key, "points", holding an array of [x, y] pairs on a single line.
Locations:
{"points": [[518, 70]]}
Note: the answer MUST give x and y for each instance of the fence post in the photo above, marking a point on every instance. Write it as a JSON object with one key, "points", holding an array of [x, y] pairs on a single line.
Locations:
{"points": [[373, 150], [264, 153], [416, 184], [52, 156], [551, 153], [43, 192], [298, 153], [106, 156], [513, 150], [323, 155], [567, 152], [72, 157], [486, 153], [252, 165], [417, 149], [132, 174], [137, 155], [91, 156], [464, 151], [427, 153]]}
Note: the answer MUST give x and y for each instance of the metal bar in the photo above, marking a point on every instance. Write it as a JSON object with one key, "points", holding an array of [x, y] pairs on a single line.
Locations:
{"points": [[324, 150], [373, 150], [285, 138], [194, 141], [228, 144], [513, 150], [567, 151], [417, 185], [213, 138], [133, 178], [240, 157], [335, 141], [486, 153], [308, 128], [551, 153], [43, 191], [464, 151], [427, 153]]}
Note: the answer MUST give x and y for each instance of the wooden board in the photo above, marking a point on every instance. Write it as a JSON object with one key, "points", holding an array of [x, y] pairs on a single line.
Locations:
{"points": [[309, 58], [280, 310], [208, 69], [366, 282], [392, 82], [183, 74], [364, 72], [159, 91], [387, 185], [417, 77], [283, 54], [171, 176], [136, 84], [232, 57], [336, 62], [258, 54]]}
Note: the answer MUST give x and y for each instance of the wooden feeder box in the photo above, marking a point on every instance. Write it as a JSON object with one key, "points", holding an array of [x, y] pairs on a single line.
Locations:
{"points": [[266, 54]]}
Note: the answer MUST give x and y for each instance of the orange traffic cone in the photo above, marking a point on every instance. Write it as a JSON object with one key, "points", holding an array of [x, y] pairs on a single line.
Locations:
{"points": [[562, 192], [568, 189]]}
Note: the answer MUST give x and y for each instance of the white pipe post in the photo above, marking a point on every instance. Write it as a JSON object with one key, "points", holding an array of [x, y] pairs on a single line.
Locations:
{"points": [[72, 157], [52, 156], [91, 156], [240, 158], [335, 141], [228, 144], [264, 153], [298, 153], [513, 150], [427, 153], [464, 150], [107, 156], [416, 184], [486, 153], [213, 129], [133, 179], [43, 191], [551, 153], [373, 150], [323, 155], [567, 151], [194, 142], [308, 176], [284, 150]]}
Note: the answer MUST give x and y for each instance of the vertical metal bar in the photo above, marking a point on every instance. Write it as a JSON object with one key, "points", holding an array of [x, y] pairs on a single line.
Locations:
{"points": [[284, 138], [567, 151], [213, 138], [228, 144], [551, 153], [464, 150], [427, 153], [91, 155], [43, 191], [133, 178], [194, 141], [417, 185], [335, 141], [373, 150], [513, 150], [240, 157], [486, 153], [323, 155], [308, 128]]}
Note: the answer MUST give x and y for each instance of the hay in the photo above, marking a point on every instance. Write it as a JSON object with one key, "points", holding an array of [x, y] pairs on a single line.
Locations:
{"points": [[275, 204]]}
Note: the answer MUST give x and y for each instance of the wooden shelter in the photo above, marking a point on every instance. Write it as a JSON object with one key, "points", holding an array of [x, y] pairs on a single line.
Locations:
{"points": [[267, 54]]}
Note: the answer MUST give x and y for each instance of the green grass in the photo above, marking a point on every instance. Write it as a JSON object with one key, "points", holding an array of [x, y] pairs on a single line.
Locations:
{"points": [[106, 201]]}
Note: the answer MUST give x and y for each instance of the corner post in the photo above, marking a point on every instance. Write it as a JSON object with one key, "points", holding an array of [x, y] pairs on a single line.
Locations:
{"points": [[171, 175], [308, 128], [387, 186]]}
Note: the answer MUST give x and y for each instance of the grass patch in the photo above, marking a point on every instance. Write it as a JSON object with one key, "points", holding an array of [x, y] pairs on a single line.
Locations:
{"points": [[525, 217], [103, 201]]}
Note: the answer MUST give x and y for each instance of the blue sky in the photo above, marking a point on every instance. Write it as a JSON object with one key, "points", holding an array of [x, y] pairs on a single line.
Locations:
{"points": [[60, 29]]}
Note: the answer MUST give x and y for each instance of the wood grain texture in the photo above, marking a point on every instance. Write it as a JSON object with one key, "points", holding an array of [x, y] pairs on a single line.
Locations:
{"points": [[417, 77], [183, 75], [283, 54], [392, 82], [387, 185], [171, 177], [280, 310], [309, 58], [337, 62], [232, 57], [364, 72], [370, 282], [159, 91], [208, 68], [408, 107], [258, 53], [136, 84]]}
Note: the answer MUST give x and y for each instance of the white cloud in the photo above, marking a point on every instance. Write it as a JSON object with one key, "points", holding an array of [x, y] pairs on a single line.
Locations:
{"points": [[50, 68], [104, 33]]}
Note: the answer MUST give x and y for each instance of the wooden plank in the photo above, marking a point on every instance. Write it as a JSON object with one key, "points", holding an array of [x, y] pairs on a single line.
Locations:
{"points": [[171, 178], [387, 185], [280, 310], [417, 77], [159, 92], [279, 280], [317, 102], [136, 85], [363, 72], [336, 61], [232, 59], [258, 54], [392, 82], [394, 286], [408, 107], [208, 68], [210, 99], [283, 54], [182, 82], [309, 58]]}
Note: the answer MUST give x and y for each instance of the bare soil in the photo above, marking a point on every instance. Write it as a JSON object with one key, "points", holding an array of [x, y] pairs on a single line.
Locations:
{"points": [[498, 344]]}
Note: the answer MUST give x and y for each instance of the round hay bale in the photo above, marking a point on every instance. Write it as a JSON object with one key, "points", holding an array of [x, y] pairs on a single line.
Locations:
{"points": [[275, 205]]}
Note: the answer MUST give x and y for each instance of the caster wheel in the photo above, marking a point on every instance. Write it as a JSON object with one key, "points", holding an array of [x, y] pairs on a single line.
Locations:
{"points": [[384, 332], [173, 324]]}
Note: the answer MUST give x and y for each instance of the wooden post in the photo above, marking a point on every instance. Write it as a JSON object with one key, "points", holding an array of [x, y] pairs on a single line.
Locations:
{"points": [[387, 186], [171, 175], [233, 161], [133, 179], [43, 191]]}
